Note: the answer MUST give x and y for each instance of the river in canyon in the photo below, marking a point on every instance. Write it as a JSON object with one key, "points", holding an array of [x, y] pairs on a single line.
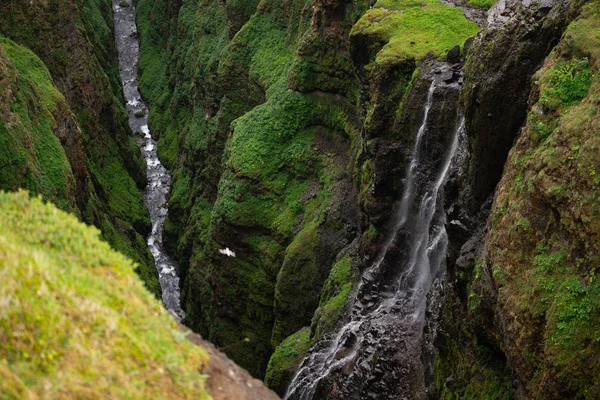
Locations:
{"points": [[159, 180]]}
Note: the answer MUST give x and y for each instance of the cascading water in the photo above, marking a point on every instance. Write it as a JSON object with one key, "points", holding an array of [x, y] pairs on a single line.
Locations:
{"points": [[379, 347], [159, 180]]}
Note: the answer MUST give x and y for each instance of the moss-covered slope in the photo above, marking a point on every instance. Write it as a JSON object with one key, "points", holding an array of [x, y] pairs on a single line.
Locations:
{"points": [[75, 320], [74, 41]]}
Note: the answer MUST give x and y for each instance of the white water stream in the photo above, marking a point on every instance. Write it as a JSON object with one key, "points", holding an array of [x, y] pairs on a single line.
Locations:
{"points": [[398, 309], [159, 181]]}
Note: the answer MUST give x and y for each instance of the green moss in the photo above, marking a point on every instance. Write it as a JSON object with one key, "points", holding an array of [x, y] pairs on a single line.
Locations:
{"points": [[412, 28], [121, 194], [30, 154], [285, 360], [481, 3], [334, 296], [76, 321], [271, 138], [565, 83]]}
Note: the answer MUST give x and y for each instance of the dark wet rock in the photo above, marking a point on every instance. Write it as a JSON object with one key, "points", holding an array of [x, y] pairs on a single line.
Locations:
{"points": [[454, 55], [501, 62]]}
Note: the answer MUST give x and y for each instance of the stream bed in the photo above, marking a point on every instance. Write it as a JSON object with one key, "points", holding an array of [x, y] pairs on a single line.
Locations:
{"points": [[159, 180]]}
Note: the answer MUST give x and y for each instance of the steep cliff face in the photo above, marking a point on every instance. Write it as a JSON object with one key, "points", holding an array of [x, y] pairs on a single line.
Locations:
{"points": [[289, 126], [84, 111], [544, 226], [521, 300]]}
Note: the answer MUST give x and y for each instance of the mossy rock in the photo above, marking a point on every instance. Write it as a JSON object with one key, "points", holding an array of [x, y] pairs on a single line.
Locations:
{"points": [[410, 29], [285, 360], [546, 230]]}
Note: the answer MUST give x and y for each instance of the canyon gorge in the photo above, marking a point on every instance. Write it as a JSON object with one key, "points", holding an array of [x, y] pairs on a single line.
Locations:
{"points": [[349, 199]]}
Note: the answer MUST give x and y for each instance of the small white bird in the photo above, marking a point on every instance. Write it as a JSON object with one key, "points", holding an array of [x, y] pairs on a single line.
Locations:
{"points": [[227, 252]]}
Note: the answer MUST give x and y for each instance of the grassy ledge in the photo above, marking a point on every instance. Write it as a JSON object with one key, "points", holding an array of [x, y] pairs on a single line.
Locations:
{"points": [[411, 29], [75, 320]]}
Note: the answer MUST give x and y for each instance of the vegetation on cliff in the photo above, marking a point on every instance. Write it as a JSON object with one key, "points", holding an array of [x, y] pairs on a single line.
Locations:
{"points": [[76, 321], [258, 109], [74, 41], [30, 105], [253, 168], [530, 299], [410, 29]]}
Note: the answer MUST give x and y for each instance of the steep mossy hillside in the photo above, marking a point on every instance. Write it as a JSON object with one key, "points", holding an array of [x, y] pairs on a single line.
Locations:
{"points": [[75, 42], [76, 321], [524, 321], [260, 115], [30, 106]]}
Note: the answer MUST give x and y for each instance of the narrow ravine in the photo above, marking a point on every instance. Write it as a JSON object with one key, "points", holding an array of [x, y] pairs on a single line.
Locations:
{"points": [[159, 181]]}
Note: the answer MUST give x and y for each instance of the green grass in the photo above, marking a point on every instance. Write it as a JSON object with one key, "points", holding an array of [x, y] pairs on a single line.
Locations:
{"points": [[75, 320], [411, 29]]}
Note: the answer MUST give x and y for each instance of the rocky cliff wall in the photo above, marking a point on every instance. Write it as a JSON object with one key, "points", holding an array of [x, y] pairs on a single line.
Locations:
{"points": [[519, 297]]}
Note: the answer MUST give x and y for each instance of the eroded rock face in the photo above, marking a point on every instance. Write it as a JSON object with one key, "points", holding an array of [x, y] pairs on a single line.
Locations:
{"points": [[500, 314], [517, 38]]}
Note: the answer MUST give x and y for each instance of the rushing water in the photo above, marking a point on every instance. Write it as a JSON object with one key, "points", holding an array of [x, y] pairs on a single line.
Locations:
{"points": [[155, 195], [380, 345]]}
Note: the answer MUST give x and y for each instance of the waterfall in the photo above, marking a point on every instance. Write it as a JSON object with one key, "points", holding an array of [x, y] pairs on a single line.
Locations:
{"points": [[159, 180], [381, 341]]}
